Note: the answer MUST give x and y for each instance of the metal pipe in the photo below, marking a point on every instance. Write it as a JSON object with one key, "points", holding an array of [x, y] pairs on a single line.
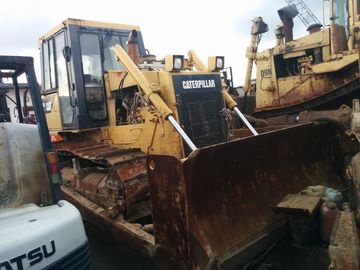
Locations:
{"points": [[18, 100], [149, 89], [181, 132], [196, 61], [251, 51], [245, 121], [323, 12]]}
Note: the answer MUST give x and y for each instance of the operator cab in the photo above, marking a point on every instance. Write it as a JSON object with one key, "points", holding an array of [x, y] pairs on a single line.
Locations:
{"points": [[74, 57]]}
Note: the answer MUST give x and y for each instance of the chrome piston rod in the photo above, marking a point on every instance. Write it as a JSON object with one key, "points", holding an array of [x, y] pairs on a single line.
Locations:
{"points": [[181, 132], [245, 121]]}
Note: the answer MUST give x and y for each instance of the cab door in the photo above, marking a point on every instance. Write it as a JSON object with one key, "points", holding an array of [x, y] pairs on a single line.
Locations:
{"points": [[58, 102], [63, 71], [92, 72]]}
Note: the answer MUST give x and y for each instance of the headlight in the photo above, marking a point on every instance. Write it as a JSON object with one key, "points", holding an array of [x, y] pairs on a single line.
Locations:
{"points": [[215, 63], [174, 62], [219, 62], [178, 62]]}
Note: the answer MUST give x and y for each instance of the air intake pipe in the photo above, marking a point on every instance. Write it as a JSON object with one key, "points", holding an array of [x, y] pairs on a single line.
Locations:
{"points": [[287, 14]]}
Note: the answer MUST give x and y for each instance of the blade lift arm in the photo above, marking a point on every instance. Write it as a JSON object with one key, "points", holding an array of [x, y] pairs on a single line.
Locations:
{"points": [[258, 28], [230, 102], [151, 91]]}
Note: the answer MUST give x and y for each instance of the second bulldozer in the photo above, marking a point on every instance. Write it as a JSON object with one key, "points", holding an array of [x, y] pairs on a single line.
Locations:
{"points": [[319, 71]]}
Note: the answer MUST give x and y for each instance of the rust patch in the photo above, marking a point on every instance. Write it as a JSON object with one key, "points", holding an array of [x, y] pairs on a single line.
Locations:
{"points": [[91, 181], [312, 91], [338, 38], [167, 193], [344, 243], [213, 205], [117, 181], [123, 231], [131, 171], [101, 153], [356, 37]]}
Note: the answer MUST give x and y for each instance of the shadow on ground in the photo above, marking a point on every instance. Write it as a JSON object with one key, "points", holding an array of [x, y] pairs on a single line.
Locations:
{"points": [[110, 255]]}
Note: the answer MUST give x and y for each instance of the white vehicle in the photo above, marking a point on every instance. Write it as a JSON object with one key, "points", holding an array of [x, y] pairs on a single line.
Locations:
{"points": [[38, 230]]}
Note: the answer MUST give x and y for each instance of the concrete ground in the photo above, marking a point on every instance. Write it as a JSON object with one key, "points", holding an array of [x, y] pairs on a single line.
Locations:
{"points": [[109, 255]]}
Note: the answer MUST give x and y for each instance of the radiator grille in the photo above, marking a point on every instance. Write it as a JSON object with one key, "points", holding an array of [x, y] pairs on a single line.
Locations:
{"points": [[202, 117], [201, 112]]}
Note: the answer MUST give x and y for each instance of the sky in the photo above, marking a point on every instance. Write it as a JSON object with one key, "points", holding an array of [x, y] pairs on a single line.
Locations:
{"points": [[208, 27]]}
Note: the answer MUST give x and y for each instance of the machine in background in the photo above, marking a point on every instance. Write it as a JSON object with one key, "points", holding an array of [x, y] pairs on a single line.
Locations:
{"points": [[318, 72]]}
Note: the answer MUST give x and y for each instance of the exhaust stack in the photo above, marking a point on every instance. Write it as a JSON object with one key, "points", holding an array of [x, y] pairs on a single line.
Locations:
{"points": [[287, 14], [133, 47]]}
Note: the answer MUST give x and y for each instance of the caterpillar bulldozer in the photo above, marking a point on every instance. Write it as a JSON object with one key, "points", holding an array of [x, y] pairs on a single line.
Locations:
{"points": [[319, 71], [148, 153]]}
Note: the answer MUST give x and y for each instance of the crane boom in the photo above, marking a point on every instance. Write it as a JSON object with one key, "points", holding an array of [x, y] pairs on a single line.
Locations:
{"points": [[306, 16]]}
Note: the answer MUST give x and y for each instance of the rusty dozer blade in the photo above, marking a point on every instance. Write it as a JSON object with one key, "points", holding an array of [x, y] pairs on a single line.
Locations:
{"points": [[213, 210]]}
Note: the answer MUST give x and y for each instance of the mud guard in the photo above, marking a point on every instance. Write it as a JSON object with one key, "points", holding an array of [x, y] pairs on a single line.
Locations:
{"points": [[213, 210]]}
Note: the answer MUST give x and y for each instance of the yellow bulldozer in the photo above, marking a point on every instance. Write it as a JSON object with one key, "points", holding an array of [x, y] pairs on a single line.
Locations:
{"points": [[319, 71], [148, 154]]}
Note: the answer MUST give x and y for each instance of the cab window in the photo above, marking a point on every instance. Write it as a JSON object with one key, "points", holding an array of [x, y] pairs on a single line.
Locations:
{"points": [[92, 72], [340, 12], [110, 62], [48, 57]]}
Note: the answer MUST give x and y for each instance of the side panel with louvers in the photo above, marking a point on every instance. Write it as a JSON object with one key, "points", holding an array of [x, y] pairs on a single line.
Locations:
{"points": [[200, 106]]}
